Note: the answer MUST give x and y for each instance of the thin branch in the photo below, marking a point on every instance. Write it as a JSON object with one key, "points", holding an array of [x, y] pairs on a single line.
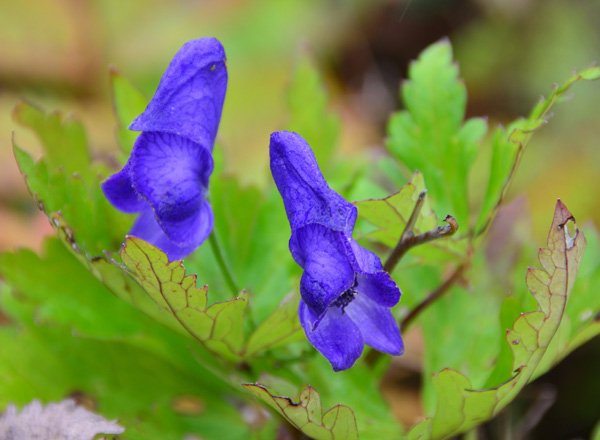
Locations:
{"points": [[408, 240], [218, 253], [433, 296]]}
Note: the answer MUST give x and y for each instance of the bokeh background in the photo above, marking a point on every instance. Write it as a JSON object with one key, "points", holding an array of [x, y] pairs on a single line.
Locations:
{"points": [[56, 53]]}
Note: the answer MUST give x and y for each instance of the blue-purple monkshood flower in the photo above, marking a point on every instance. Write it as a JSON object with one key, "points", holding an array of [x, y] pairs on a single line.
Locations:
{"points": [[346, 294], [166, 177]]}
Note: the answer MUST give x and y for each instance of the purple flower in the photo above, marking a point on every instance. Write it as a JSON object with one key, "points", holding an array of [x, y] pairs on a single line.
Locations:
{"points": [[166, 177], [346, 294]]}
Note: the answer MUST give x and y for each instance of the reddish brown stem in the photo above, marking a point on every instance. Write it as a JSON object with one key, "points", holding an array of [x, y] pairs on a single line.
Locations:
{"points": [[433, 296]]}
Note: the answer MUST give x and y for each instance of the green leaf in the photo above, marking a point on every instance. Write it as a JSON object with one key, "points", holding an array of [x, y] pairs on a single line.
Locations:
{"points": [[126, 382], [253, 232], [390, 215], [430, 136], [511, 309], [281, 327], [596, 432], [509, 145], [84, 304], [63, 139], [99, 226], [359, 388], [128, 103], [83, 309], [459, 406], [307, 415], [308, 101], [218, 326]]}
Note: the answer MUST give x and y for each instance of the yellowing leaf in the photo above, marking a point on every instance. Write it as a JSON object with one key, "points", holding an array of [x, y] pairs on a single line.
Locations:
{"points": [[279, 327], [338, 423], [218, 327], [391, 214], [459, 407]]}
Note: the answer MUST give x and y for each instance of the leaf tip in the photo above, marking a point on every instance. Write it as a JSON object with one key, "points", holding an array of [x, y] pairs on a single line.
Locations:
{"points": [[561, 214], [113, 71]]}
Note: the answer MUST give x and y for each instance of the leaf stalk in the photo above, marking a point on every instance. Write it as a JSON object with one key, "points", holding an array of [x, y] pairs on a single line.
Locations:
{"points": [[218, 253], [408, 239]]}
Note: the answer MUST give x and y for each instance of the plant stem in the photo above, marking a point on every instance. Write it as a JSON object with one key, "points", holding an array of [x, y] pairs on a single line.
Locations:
{"points": [[373, 355], [437, 293], [408, 240], [218, 253]]}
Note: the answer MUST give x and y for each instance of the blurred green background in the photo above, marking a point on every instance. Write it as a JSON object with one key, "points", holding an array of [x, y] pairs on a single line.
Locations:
{"points": [[56, 53]]}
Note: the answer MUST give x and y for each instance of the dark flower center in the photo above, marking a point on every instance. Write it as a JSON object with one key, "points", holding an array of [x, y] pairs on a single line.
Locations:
{"points": [[346, 298]]}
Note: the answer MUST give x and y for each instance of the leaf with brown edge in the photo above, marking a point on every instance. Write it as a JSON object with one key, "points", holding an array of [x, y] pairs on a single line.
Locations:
{"points": [[218, 326], [337, 423], [459, 406]]}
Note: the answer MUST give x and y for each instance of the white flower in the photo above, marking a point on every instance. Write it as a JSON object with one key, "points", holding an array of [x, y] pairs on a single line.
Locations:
{"points": [[56, 421]]}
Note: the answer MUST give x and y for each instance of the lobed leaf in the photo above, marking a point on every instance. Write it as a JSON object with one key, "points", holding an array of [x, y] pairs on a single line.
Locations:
{"points": [[63, 139], [337, 423], [459, 406], [81, 204], [218, 326], [430, 135]]}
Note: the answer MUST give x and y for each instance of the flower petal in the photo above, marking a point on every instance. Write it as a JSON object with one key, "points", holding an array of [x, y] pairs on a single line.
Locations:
{"points": [[337, 337], [171, 173], [147, 228], [327, 270], [371, 278], [377, 325], [190, 96], [120, 192], [380, 287], [306, 195]]}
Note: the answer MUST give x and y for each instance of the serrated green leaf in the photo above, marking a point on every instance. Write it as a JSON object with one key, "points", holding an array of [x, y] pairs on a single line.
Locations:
{"points": [[218, 326], [63, 139], [358, 388], [580, 323], [390, 215], [429, 136], [337, 423], [81, 204], [281, 327], [128, 103], [459, 406], [508, 146], [308, 101]]}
